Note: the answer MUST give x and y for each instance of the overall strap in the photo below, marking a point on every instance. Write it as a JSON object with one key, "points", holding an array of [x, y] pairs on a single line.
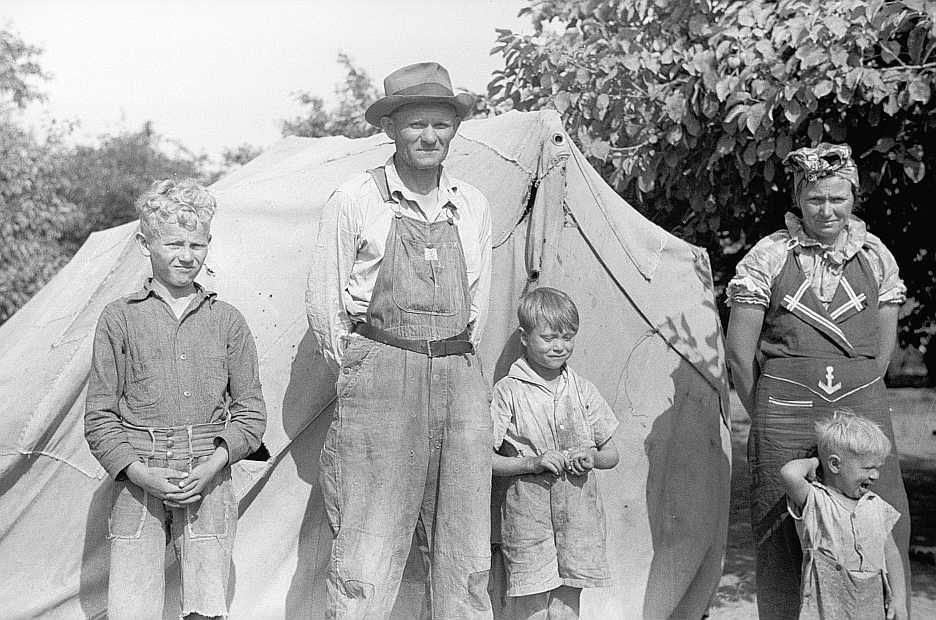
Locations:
{"points": [[380, 178]]}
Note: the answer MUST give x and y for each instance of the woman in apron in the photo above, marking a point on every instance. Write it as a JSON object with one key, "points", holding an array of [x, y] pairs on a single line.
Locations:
{"points": [[813, 323]]}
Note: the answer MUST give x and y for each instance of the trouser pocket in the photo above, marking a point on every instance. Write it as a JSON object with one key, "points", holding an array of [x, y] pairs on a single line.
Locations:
{"points": [[127, 512], [212, 516]]}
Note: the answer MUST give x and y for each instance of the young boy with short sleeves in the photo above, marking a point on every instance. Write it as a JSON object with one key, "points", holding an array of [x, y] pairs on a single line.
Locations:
{"points": [[173, 399], [552, 429]]}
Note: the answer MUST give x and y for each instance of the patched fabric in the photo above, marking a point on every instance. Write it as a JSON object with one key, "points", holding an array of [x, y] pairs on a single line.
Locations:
{"points": [[822, 264]]}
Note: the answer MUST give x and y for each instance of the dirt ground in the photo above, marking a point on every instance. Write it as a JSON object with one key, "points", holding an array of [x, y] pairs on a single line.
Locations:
{"points": [[914, 418]]}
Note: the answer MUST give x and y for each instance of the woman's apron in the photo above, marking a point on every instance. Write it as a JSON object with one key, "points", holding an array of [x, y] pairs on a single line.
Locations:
{"points": [[815, 361]]}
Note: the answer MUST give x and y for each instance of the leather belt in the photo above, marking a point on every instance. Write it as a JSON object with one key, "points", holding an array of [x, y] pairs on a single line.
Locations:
{"points": [[454, 345]]}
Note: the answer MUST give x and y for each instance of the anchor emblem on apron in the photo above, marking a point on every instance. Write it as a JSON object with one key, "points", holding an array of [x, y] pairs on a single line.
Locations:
{"points": [[828, 387]]}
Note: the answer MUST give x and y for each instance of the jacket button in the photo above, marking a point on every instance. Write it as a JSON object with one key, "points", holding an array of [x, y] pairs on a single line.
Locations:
{"points": [[169, 454], [186, 393]]}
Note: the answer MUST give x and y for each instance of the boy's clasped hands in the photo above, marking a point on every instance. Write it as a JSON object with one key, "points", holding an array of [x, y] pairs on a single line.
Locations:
{"points": [[576, 461], [178, 488]]}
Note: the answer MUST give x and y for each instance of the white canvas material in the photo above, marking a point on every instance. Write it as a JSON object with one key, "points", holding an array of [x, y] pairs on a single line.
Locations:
{"points": [[650, 342]]}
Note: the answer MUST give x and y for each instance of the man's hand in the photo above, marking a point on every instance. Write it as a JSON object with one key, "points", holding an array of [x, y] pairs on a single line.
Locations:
{"points": [[551, 460], [580, 460], [897, 610], [189, 489], [157, 481]]}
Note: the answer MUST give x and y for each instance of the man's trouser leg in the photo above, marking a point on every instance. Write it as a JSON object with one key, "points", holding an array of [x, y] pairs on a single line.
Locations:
{"points": [[373, 471], [456, 509]]}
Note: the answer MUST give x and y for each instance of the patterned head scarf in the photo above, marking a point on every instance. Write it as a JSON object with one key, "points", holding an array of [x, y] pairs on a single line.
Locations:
{"points": [[809, 164]]}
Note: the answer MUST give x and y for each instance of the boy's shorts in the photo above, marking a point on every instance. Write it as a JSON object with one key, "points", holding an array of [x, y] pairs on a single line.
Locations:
{"points": [[553, 533], [140, 527]]}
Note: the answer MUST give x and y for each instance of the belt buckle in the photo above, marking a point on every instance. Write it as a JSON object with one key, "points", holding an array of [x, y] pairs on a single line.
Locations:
{"points": [[429, 347]]}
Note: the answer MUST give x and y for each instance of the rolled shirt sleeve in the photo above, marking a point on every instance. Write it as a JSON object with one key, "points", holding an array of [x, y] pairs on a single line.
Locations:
{"points": [[103, 429], [501, 413], [247, 410], [598, 413], [481, 293], [891, 289], [333, 257], [755, 273]]}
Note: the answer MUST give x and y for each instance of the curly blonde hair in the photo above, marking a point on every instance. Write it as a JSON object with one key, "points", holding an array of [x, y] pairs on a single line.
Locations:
{"points": [[185, 202]]}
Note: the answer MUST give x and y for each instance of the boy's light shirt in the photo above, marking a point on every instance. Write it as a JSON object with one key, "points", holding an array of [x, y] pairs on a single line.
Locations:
{"points": [[532, 416], [854, 536]]}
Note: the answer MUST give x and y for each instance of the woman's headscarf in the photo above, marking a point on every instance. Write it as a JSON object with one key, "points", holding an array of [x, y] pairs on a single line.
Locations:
{"points": [[809, 164]]}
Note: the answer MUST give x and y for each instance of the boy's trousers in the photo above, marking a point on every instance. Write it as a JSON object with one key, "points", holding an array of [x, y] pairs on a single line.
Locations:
{"points": [[140, 527]]}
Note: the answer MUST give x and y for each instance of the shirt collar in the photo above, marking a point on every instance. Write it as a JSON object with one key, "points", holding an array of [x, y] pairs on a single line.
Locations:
{"points": [[522, 371], [849, 241], [147, 290], [448, 187]]}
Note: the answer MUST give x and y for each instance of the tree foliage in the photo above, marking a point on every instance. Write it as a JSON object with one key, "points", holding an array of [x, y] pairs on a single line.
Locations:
{"points": [[19, 73], [346, 118], [37, 222], [106, 178], [688, 108]]}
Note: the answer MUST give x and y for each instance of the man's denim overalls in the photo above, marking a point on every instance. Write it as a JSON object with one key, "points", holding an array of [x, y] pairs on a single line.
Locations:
{"points": [[408, 449]]}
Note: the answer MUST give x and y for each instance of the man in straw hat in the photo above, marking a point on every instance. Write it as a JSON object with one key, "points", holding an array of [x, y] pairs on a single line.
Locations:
{"points": [[397, 299]]}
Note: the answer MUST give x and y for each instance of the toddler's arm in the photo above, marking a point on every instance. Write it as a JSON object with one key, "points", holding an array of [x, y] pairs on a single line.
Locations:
{"points": [[895, 573], [796, 475]]}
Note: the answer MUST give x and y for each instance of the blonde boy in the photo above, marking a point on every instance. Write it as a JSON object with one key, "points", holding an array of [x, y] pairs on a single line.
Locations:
{"points": [[173, 399], [851, 565], [552, 429]]}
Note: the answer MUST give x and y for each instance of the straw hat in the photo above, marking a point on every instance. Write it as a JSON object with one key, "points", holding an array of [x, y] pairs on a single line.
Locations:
{"points": [[424, 82]]}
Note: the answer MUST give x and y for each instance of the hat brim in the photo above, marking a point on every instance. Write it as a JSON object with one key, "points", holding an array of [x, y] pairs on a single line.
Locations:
{"points": [[462, 102]]}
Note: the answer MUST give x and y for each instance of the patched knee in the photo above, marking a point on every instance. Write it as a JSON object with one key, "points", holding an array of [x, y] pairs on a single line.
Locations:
{"points": [[478, 590], [355, 589]]}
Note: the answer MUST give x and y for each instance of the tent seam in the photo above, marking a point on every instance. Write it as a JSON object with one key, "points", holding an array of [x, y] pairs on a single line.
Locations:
{"points": [[529, 173], [54, 457]]}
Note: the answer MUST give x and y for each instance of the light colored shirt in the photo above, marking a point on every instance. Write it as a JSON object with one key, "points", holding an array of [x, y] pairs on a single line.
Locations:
{"points": [[534, 416], [349, 250], [854, 537], [822, 264], [149, 368]]}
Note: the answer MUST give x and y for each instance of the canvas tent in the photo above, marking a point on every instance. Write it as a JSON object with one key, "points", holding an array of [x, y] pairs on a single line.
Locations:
{"points": [[650, 341]]}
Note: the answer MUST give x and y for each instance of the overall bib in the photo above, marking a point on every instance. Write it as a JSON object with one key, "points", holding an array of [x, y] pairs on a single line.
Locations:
{"points": [[408, 451], [816, 360]]}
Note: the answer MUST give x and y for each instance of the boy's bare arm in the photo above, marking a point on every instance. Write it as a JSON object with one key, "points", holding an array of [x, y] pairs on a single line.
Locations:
{"points": [[895, 571], [551, 460], [604, 456], [796, 476]]}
